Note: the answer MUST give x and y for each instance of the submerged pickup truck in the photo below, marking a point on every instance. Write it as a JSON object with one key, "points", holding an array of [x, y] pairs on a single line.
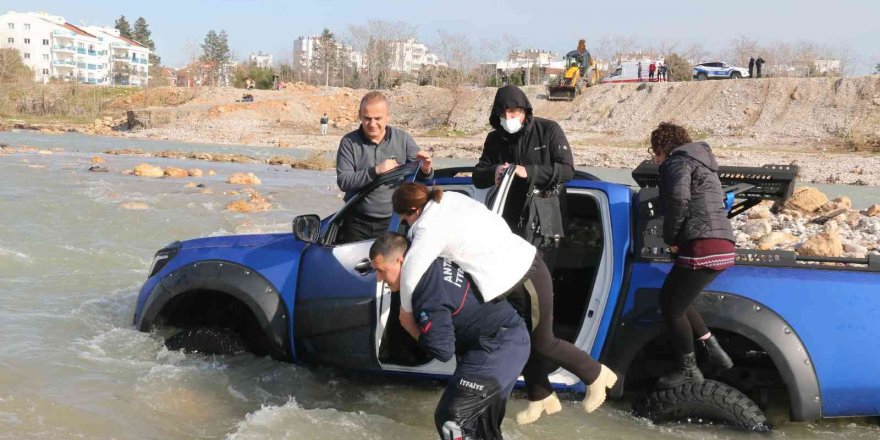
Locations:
{"points": [[798, 329]]}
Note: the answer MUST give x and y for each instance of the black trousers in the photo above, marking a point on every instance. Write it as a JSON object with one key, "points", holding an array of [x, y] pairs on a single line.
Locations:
{"points": [[548, 351], [683, 322], [476, 397], [359, 227]]}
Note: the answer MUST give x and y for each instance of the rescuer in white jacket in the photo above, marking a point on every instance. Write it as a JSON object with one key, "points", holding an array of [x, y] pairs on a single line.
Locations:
{"points": [[503, 266]]}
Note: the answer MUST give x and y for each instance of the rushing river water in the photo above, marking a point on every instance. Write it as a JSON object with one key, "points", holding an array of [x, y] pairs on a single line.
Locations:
{"points": [[72, 365]]}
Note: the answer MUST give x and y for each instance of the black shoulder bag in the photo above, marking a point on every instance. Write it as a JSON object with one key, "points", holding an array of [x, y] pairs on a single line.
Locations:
{"points": [[541, 219]]}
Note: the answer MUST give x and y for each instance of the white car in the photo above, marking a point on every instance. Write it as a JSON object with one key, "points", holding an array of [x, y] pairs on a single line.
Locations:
{"points": [[719, 70]]}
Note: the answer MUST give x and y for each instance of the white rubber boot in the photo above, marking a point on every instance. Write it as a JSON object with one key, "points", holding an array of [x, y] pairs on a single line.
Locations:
{"points": [[550, 405], [596, 390]]}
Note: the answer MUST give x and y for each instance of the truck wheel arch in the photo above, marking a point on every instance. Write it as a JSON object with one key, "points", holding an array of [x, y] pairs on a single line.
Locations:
{"points": [[223, 278], [737, 315]]}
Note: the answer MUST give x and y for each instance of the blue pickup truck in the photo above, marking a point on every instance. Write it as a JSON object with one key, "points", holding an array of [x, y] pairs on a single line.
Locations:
{"points": [[798, 330]]}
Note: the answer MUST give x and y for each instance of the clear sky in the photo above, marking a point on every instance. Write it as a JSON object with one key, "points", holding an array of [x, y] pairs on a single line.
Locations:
{"points": [[271, 25]]}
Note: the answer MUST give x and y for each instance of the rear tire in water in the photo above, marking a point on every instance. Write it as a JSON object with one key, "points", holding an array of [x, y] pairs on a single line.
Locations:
{"points": [[708, 401], [207, 340]]}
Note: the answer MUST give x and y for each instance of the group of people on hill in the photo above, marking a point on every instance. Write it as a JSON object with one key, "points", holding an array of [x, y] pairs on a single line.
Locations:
{"points": [[658, 71], [473, 288], [755, 67]]}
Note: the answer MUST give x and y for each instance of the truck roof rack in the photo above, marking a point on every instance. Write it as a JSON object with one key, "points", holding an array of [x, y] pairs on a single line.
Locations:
{"points": [[751, 185]]}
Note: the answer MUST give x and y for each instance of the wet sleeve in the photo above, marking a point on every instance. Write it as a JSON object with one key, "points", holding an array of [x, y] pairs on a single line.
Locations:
{"points": [[348, 177], [675, 179], [484, 171], [561, 168], [425, 248], [412, 149], [433, 314]]}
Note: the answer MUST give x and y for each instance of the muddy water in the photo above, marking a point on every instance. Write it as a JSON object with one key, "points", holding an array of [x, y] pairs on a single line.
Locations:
{"points": [[71, 365]]}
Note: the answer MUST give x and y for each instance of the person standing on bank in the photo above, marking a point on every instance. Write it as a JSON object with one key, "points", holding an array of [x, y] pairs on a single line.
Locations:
{"points": [[324, 122], [700, 238], [503, 266], [365, 154], [489, 340], [759, 64], [751, 67]]}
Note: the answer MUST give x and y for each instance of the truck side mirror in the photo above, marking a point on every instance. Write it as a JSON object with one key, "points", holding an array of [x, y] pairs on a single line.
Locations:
{"points": [[307, 228]]}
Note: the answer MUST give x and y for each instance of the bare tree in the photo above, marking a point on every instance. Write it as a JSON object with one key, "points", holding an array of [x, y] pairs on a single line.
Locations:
{"points": [[377, 41], [458, 54], [741, 49]]}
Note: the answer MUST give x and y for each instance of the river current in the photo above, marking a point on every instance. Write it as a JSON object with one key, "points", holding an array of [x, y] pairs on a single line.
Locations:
{"points": [[72, 259]]}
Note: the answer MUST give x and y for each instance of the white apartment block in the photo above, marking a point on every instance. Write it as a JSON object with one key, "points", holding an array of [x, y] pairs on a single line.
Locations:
{"points": [[56, 49], [409, 56], [304, 53], [261, 60]]}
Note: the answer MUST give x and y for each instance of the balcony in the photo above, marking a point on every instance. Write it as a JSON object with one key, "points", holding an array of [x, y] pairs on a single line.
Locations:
{"points": [[62, 48], [93, 53], [81, 65], [139, 60], [63, 63], [121, 58], [116, 44], [93, 67], [81, 50], [64, 33]]}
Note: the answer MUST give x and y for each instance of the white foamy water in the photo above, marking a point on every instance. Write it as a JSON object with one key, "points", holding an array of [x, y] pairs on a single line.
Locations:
{"points": [[72, 366]]}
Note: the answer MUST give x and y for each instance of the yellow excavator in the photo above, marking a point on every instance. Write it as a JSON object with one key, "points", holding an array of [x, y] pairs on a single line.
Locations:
{"points": [[581, 71]]}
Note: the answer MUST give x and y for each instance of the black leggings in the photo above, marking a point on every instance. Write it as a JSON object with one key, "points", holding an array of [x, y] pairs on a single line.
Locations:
{"points": [[683, 322], [548, 351]]}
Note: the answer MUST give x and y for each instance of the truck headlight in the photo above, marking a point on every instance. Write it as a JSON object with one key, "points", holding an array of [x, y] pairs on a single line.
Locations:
{"points": [[162, 257]]}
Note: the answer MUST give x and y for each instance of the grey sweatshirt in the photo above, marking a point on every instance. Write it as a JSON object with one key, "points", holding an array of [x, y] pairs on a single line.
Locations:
{"points": [[356, 163]]}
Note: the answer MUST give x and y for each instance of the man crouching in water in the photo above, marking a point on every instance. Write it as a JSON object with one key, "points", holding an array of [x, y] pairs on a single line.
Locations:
{"points": [[490, 341]]}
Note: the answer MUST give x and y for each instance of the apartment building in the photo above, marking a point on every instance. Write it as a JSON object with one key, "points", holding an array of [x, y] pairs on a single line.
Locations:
{"points": [[410, 55], [304, 54], [261, 60], [56, 49]]}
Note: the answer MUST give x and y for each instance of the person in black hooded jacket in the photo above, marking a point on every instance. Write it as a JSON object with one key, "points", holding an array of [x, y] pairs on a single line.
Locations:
{"points": [[539, 150], [537, 147], [700, 237]]}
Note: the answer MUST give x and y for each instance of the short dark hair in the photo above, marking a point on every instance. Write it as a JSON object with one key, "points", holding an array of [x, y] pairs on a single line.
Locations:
{"points": [[370, 97], [668, 136], [389, 243]]}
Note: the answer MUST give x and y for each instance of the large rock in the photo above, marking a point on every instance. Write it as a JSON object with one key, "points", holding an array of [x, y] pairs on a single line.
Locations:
{"points": [[256, 203], [775, 239], [147, 170], [97, 160], [176, 172], [825, 244], [872, 211], [194, 172], [244, 179], [759, 212], [756, 229], [134, 206], [806, 199]]}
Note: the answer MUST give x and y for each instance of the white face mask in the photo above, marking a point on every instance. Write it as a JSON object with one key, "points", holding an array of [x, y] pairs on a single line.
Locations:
{"points": [[511, 125]]}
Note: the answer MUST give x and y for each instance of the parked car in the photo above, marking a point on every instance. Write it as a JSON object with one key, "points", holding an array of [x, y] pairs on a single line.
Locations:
{"points": [[719, 70], [797, 328]]}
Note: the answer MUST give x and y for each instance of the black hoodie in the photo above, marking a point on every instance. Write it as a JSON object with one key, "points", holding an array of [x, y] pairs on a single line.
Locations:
{"points": [[692, 197], [540, 146]]}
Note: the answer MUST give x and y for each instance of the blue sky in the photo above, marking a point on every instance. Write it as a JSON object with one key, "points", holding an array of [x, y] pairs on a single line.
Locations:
{"points": [[271, 25]]}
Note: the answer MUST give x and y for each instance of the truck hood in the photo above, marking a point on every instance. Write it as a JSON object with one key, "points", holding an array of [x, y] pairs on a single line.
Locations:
{"points": [[253, 240]]}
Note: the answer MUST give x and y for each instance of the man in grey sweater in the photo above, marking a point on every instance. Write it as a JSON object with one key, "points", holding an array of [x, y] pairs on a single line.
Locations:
{"points": [[365, 154]]}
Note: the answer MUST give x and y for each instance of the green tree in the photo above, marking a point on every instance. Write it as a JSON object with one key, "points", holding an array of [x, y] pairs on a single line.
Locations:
{"points": [[326, 60], [216, 53], [679, 68], [123, 26], [877, 68], [261, 76], [141, 33], [12, 68]]}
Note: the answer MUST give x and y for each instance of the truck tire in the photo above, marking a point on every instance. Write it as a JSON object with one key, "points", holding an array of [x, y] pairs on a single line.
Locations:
{"points": [[207, 340], [710, 400]]}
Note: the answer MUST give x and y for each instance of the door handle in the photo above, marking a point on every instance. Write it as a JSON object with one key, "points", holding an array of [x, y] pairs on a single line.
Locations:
{"points": [[363, 267]]}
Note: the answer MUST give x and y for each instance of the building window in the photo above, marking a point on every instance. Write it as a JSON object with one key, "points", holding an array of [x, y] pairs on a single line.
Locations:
{"points": [[45, 42], [27, 41], [27, 56], [46, 56], [11, 26], [27, 26], [45, 71], [10, 40]]}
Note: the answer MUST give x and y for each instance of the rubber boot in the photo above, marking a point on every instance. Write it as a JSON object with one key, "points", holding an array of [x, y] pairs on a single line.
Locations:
{"points": [[686, 371], [596, 390], [533, 412], [714, 355]]}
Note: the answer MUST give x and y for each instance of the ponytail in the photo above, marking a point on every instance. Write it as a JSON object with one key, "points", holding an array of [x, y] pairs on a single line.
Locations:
{"points": [[413, 195]]}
